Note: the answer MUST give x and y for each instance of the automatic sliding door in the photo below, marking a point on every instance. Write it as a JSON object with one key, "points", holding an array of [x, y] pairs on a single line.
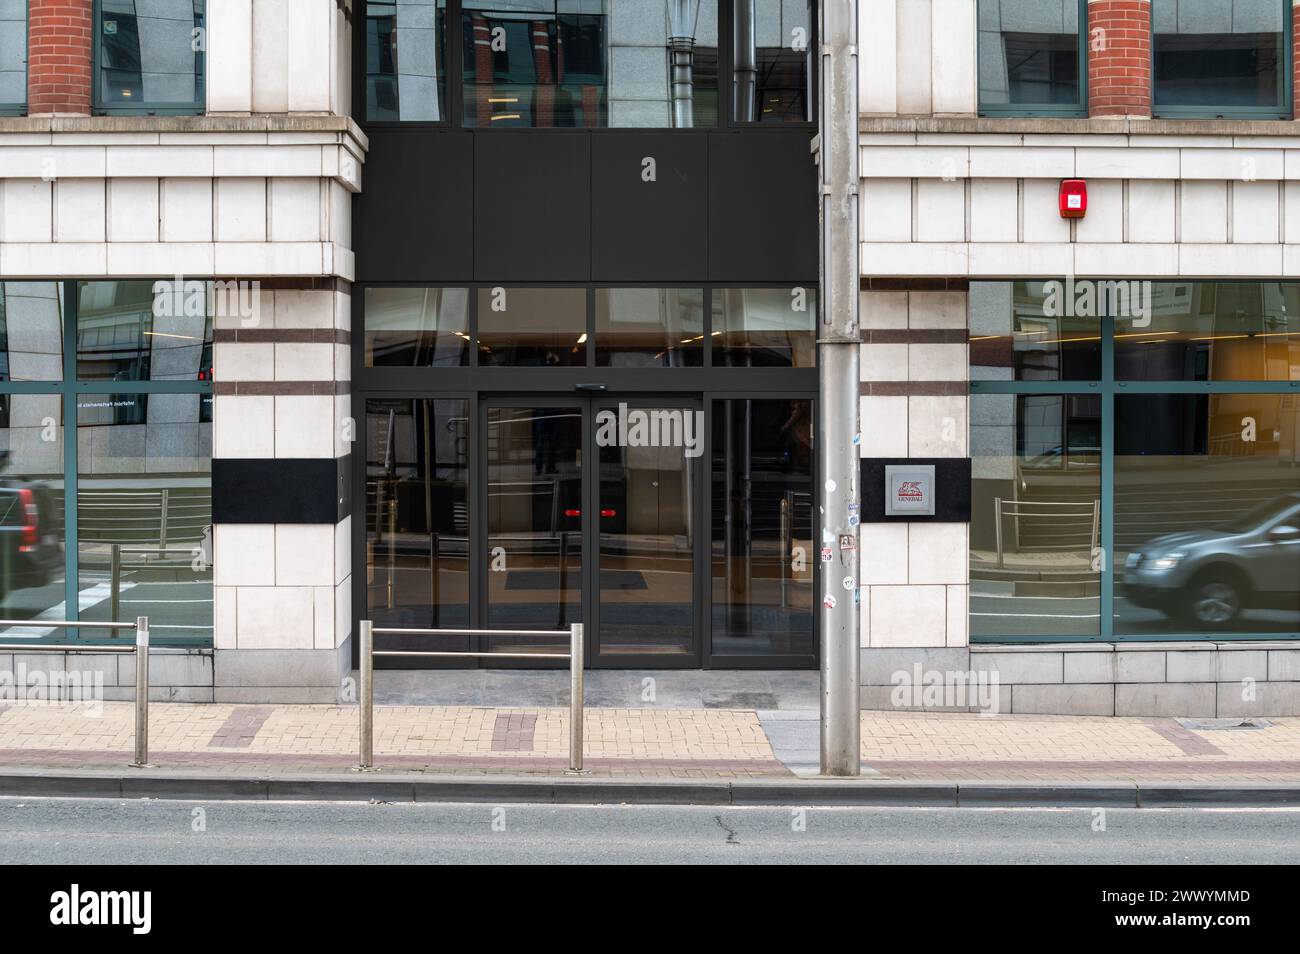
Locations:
{"points": [[533, 504]]}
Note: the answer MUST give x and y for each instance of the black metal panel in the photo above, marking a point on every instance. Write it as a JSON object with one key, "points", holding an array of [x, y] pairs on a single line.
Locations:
{"points": [[762, 207], [532, 207], [299, 490], [417, 201], [653, 230], [951, 489]]}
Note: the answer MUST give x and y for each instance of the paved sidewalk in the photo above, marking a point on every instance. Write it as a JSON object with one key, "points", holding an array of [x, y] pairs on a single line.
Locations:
{"points": [[647, 743]]}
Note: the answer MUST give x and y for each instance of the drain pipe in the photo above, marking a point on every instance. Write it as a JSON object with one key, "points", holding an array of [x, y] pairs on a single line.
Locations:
{"points": [[838, 344]]}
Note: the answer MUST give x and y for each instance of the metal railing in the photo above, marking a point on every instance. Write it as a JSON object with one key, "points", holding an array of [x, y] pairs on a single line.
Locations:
{"points": [[140, 648], [1074, 517], [366, 703]]}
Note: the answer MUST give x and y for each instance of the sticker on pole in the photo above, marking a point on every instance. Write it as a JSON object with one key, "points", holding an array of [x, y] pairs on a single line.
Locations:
{"points": [[847, 582], [828, 601], [827, 554]]}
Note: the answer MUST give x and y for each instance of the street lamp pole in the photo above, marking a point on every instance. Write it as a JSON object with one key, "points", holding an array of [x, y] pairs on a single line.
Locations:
{"points": [[838, 343]]}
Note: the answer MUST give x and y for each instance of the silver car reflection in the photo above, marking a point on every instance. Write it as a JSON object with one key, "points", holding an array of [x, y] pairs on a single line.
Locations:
{"points": [[1207, 577]]}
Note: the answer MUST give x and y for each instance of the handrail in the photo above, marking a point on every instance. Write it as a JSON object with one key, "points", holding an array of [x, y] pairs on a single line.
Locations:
{"points": [[367, 631], [140, 648]]}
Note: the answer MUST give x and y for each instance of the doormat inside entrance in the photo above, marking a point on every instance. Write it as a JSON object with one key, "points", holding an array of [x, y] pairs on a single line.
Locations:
{"points": [[550, 580]]}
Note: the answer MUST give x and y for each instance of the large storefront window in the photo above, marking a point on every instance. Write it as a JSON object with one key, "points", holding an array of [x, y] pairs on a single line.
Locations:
{"points": [[13, 57], [149, 58], [114, 522], [1031, 57], [1156, 498], [1221, 59]]}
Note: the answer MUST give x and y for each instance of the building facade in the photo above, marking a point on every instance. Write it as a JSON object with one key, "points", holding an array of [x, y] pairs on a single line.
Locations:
{"points": [[503, 314]]}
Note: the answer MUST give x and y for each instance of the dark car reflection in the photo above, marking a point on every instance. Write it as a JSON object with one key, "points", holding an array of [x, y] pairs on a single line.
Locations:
{"points": [[1208, 577], [31, 551]]}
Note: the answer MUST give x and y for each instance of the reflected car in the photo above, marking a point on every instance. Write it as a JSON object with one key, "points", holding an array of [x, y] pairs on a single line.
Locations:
{"points": [[30, 540], [1207, 577]]}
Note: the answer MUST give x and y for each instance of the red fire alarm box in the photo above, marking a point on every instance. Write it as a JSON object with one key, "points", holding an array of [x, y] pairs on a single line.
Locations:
{"points": [[1074, 198]]}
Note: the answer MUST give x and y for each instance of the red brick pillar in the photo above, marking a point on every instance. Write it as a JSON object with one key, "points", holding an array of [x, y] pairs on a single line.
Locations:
{"points": [[58, 57], [1119, 57]]}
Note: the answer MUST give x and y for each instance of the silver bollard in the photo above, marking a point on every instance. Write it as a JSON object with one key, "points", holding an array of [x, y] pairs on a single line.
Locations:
{"points": [[141, 692], [575, 697], [367, 697]]}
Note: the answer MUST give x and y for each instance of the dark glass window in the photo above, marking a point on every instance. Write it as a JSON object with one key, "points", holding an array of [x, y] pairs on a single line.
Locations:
{"points": [[31, 506], [763, 528], [1035, 515], [144, 331], [149, 57], [417, 327], [1213, 57], [765, 327], [1029, 56], [1212, 331], [532, 327], [406, 60], [31, 331], [1207, 513], [649, 327], [771, 61], [417, 523], [1035, 331], [590, 63], [13, 56]]}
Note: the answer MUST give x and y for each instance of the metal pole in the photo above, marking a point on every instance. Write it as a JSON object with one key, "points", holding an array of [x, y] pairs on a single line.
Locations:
{"points": [[367, 700], [837, 361], [575, 697], [115, 581], [141, 691], [745, 61]]}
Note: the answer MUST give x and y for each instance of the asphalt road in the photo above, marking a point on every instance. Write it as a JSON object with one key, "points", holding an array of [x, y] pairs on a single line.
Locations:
{"points": [[88, 831]]}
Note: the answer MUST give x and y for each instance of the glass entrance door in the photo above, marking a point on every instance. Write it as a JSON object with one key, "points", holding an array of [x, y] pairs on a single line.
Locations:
{"points": [[591, 515]]}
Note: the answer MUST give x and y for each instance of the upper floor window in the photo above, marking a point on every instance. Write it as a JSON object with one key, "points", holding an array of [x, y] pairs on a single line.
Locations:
{"points": [[149, 56], [1213, 58], [770, 64], [13, 56], [590, 63], [1032, 58], [406, 61]]}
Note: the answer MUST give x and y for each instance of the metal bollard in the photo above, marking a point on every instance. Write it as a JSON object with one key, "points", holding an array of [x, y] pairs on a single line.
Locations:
{"points": [[367, 697], [141, 692], [575, 697]]}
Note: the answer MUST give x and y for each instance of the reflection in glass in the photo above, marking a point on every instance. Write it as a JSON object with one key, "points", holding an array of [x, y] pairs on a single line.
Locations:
{"points": [[417, 519], [127, 333], [590, 63], [771, 60], [406, 57], [1035, 515], [31, 331], [31, 510], [1207, 513], [144, 511], [417, 327], [534, 521], [649, 327], [1219, 55], [765, 327], [1029, 53], [763, 528], [1213, 331], [1035, 331], [532, 327], [647, 534], [13, 54], [148, 56]]}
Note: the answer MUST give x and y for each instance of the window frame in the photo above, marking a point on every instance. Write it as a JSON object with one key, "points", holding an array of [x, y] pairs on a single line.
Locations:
{"points": [[1107, 388], [98, 108], [71, 389], [454, 94], [1050, 110], [1281, 111]]}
